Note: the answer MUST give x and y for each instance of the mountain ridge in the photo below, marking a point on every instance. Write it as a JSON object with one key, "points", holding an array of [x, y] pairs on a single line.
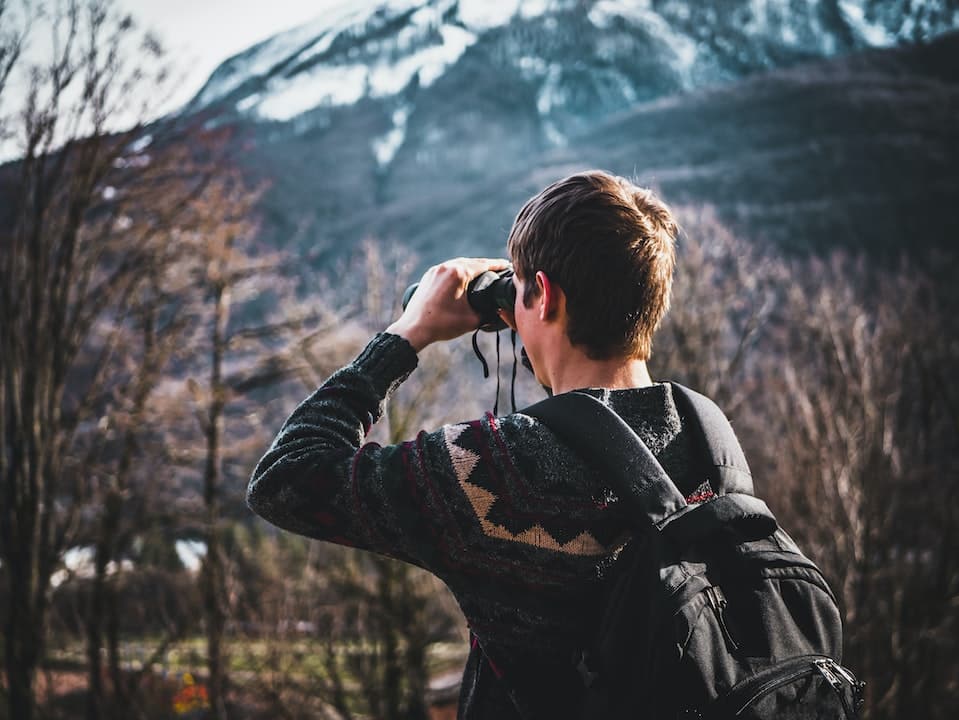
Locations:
{"points": [[755, 34], [525, 103], [884, 111]]}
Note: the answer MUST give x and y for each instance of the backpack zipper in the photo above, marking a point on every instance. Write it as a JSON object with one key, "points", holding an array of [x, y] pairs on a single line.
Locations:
{"points": [[858, 686], [849, 677], [802, 666], [830, 670], [823, 666], [773, 683], [717, 601]]}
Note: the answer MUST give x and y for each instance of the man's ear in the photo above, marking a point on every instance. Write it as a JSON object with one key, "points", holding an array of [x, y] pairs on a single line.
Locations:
{"points": [[550, 296]]}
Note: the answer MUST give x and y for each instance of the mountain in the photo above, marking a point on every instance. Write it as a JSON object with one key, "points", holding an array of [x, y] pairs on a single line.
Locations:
{"points": [[429, 121], [579, 59], [860, 152]]}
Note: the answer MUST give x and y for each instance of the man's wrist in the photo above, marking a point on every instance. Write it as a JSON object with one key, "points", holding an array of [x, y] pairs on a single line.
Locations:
{"points": [[413, 335], [387, 360]]}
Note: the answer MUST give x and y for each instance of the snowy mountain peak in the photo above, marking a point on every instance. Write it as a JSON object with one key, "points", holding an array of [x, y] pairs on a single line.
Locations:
{"points": [[379, 48], [356, 50]]}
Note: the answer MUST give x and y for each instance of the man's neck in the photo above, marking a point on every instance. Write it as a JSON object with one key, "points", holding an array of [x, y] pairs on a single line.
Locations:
{"points": [[579, 371], [564, 366]]}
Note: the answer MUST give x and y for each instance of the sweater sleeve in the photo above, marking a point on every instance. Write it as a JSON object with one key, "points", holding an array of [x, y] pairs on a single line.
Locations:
{"points": [[319, 478], [494, 496]]}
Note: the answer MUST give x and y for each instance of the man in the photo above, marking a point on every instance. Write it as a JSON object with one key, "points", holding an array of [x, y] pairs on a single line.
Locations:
{"points": [[518, 526]]}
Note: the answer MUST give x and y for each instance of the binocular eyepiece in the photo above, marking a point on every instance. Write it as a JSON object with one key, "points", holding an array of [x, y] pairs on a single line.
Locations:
{"points": [[486, 293]]}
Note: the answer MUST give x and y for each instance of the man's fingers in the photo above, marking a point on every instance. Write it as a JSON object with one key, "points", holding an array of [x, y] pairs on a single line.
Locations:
{"points": [[477, 266], [460, 271], [498, 263]]}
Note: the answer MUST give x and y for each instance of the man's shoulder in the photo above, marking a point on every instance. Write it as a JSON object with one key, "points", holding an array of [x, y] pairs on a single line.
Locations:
{"points": [[653, 414]]}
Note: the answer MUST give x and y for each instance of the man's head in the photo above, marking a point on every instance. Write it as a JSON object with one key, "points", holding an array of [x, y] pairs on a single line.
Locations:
{"points": [[609, 245]]}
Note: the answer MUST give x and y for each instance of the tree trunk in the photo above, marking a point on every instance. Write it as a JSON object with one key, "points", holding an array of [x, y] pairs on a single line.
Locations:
{"points": [[94, 628], [416, 666], [21, 646], [113, 648], [392, 670], [97, 608], [27, 567], [213, 566], [20, 700]]}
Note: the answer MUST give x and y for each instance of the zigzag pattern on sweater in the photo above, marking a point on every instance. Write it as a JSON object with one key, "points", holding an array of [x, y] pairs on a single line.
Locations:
{"points": [[481, 492]]}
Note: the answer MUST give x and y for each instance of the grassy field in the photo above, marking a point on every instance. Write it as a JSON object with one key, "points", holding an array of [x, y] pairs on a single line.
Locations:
{"points": [[262, 671], [301, 655]]}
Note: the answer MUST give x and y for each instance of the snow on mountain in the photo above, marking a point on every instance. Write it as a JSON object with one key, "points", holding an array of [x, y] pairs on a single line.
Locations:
{"points": [[372, 49], [577, 60], [346, 83], [385, 146], [874, 33], [376, 48], [682, 49]]}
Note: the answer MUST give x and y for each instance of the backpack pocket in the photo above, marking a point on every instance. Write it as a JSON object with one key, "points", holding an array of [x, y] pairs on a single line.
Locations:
{"points": [[707, 650], [801, 688], [759, 645]]}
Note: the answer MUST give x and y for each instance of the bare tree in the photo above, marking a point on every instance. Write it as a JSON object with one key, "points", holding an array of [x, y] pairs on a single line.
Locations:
{"points": [[723, 298], [60, 274], [119, 451], [87, 237], [866, 420], [242, 344]]}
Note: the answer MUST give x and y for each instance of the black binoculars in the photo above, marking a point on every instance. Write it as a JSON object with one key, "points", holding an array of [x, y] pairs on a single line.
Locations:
{"points": [[486, 293]]}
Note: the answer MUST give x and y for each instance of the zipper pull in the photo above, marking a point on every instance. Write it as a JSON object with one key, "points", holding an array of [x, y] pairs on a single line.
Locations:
{"points": [[717, 601], [843, 672], [858, 686], [825, 669]]}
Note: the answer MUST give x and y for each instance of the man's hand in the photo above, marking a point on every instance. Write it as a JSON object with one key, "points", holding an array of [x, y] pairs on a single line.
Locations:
{"points": [[438, 309]]}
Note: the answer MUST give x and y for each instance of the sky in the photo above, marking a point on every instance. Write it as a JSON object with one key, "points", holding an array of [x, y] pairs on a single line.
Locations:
{"points": [[197, 34], [200, 34]]}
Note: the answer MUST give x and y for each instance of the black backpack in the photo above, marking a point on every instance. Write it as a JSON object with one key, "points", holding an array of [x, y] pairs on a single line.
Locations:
{"points": [[711, 610]]}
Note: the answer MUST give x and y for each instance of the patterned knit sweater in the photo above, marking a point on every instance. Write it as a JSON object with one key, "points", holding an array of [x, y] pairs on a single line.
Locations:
{"points": [[518, 526]]}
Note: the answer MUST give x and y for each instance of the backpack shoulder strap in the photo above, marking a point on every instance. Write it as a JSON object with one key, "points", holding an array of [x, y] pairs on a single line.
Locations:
{"points": [[728, 470], [595, 432]]}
